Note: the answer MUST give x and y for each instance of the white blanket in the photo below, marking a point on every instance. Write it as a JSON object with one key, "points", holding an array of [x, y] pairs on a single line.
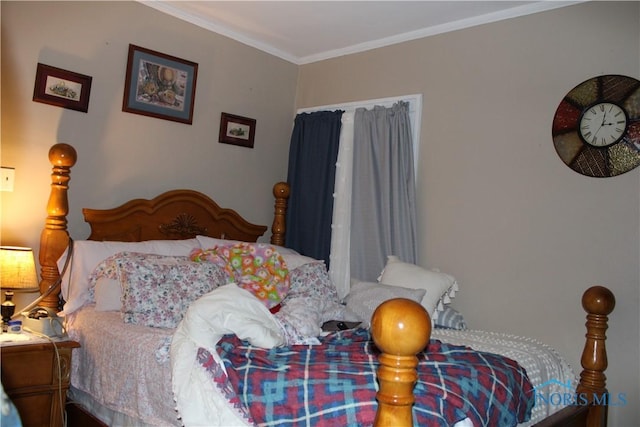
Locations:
{"points": [[226, 310]]}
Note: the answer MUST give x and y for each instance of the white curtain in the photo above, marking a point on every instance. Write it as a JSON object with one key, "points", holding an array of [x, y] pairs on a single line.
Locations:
{"points": [[339, 266]]}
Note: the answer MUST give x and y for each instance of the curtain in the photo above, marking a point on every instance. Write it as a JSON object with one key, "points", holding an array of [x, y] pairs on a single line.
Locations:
{"points": [[339, 269], [313, 153], [383, 190]]}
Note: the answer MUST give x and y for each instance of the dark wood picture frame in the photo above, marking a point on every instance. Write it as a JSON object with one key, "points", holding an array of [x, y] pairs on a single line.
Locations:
{"points": [[62, 88], [237, 130], [159, 85]]}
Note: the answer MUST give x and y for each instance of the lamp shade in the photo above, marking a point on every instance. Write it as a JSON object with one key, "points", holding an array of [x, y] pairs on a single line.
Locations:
{"points": [[18, 269]]}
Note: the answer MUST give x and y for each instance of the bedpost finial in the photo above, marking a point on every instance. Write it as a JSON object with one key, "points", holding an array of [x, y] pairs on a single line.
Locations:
{"points": [[598, 300], [63, 155], [281, 190], [401, 327]]}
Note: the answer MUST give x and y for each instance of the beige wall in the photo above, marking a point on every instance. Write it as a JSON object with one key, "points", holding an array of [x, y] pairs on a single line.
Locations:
{"points": [[123, 155], [523, 233]]}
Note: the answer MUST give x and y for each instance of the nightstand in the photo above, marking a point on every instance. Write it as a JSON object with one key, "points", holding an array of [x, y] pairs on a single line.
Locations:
{"points": [[35, 382]]}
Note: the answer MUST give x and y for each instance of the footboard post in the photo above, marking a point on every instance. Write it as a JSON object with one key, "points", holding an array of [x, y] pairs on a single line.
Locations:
{"points": [[278, 229], [55, 238], [598, 302], [401, 328]]}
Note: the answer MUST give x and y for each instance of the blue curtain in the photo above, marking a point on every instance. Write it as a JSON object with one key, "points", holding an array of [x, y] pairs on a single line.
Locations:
{"points": [[312, 168]]}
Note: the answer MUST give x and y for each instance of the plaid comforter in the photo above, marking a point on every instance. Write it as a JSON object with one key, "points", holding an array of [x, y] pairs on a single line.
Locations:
{"points": [[334, 383]]}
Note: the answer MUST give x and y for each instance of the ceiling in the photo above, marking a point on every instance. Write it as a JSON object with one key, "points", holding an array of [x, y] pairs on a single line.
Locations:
{"points": [[308, 31]]}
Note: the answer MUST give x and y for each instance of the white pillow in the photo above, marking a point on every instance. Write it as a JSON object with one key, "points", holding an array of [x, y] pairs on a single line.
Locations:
{"points": [[294, 260], [439, 287], [207, 242], [365, 297], [87, 254], [108, 295]]}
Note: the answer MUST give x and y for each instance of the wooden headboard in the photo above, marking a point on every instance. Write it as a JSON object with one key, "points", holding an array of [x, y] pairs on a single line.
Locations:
{"points": [[176, 214]]}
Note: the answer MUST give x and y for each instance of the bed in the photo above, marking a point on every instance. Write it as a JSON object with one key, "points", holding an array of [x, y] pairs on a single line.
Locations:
{"points": [[224, 355]]}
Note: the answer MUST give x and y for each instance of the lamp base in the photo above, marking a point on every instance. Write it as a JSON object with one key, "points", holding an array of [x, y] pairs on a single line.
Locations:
{"points": [[7, 309]]}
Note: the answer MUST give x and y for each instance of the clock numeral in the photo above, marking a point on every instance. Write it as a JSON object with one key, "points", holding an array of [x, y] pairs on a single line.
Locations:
{"points": [[587, 135], [602, 107]]}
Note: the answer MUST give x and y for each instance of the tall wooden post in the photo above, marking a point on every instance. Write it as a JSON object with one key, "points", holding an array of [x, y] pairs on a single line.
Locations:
{"points": [[401, 328], [55, 237], [278, 228], [598, 302]]}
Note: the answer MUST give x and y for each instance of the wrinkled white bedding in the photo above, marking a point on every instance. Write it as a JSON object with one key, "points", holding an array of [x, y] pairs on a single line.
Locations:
{"points": [[228, 309]]}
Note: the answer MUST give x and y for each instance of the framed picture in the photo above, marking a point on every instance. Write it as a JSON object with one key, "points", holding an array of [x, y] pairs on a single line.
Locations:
{"points": [[159, 85], [62, 88], [237, 130]]}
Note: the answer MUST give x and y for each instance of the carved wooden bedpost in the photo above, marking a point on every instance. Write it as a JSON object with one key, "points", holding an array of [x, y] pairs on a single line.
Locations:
{"points": [[401, 328], [598, 302], [55, 238], [278, 229]]}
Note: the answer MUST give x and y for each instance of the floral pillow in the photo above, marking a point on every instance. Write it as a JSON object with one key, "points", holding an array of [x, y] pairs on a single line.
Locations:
{"points": [[311, 301], [158, 289]]}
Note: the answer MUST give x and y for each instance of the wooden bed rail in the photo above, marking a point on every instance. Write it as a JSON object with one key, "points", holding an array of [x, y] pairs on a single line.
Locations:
{"points": [[401, 328]]}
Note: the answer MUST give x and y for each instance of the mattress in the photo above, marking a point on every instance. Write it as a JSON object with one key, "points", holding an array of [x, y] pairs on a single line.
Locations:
{"points": [[122, 372]]}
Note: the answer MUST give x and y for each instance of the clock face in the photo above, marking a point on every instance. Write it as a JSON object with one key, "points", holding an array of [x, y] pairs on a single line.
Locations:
{"points": [[603, 124], [596, 127]]}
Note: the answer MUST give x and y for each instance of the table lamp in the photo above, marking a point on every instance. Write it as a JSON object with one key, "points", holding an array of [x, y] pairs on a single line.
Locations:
{"points": [[17, 273]]}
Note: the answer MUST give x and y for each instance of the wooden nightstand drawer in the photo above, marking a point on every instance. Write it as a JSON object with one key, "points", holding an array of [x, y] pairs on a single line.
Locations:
{"points": [[29, 367], [36, 378]]}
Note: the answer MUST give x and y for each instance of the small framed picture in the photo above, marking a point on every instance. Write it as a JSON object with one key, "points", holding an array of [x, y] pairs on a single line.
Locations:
{"points": [[159, 85], [237, 130], [62, 88]]}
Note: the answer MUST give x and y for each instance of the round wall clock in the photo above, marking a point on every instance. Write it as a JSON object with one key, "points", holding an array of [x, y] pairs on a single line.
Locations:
{"points": [[596, 128]]}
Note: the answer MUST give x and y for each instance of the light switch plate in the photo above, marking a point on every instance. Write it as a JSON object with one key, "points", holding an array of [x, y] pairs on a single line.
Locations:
{"points": [[7, 178]]}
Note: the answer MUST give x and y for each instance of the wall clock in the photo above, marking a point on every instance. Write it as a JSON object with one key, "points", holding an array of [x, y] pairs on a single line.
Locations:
{"points": [[596, 128]]}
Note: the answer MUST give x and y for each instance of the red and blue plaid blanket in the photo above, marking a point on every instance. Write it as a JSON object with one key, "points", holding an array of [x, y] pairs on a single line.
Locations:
{"points": [[335, 383]]}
